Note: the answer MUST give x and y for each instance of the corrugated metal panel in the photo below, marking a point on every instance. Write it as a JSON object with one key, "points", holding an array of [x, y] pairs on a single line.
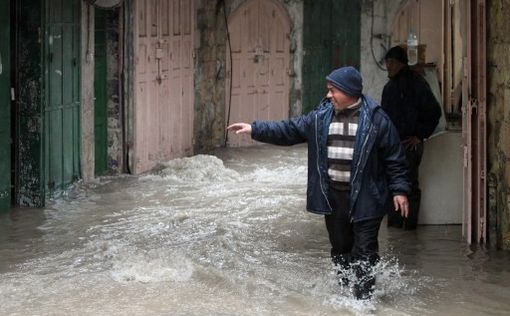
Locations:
{"points": [[331, 38], [259, 31], [5, 109]]}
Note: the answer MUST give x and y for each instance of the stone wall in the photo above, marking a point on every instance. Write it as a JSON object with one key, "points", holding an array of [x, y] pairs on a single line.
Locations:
{"points": [[498, 107], [87, 93]]}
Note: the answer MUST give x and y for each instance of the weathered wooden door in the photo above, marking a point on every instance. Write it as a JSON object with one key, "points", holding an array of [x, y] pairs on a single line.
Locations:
{"points": [[100, 94], [163, 110], [331, 38], [5, 108], [259, 32], [474, 110], [62, 108]]}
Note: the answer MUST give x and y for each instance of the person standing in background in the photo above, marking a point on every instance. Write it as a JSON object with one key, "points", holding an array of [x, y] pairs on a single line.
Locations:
{"points": [[415, 112]]}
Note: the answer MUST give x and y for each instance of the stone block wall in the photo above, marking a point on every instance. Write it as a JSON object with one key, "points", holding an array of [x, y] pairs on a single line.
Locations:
{"points": [[498, 128]]}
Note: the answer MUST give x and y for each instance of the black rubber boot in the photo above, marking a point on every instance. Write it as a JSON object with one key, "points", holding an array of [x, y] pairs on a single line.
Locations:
{"points": [[365, 285], [364, 289], [343, 266]]}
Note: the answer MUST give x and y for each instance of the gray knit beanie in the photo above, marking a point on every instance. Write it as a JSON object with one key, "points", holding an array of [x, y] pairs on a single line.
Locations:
{"points": [[347, 79]]}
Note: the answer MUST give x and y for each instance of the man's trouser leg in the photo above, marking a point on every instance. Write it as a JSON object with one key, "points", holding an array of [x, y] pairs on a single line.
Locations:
{"points": [[340, 233], [395, 219], [365, 256], [413, 156]]}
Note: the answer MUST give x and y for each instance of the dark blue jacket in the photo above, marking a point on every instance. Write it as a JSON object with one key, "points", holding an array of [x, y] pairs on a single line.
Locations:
{"points": [[378, 167], [410, 104]]}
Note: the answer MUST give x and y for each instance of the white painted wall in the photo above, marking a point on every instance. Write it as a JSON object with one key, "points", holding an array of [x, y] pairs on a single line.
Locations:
{"points": [[441, 180]]}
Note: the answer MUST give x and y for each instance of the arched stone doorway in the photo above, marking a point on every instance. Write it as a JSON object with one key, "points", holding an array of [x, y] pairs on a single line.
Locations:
{"points": [[258, 60]]}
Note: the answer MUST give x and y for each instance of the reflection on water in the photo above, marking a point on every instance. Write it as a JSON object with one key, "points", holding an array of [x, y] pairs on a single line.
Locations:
{"points": [[224, 235]]}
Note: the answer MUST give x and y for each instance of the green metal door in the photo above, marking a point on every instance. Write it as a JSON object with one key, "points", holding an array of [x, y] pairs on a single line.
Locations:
{"points": [[331, 38], [5, 109], [62, 108], [100, 94]]}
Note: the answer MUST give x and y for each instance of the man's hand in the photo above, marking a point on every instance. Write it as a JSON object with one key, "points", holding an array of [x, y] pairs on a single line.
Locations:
{"points": [[400, 202], [240, 128]]}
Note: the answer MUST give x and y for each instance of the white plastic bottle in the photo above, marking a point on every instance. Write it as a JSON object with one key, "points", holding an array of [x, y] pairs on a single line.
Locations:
{"points": [[412, 48]]}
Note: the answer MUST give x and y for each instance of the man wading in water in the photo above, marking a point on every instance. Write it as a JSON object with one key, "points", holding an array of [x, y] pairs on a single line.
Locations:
{"points": [[354, 161]]}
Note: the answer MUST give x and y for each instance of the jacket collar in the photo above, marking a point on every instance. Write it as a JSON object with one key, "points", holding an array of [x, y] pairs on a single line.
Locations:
{"points": [[368, 106]]}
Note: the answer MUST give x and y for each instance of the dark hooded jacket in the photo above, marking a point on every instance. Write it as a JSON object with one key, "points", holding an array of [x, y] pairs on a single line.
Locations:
{"points": [[410, 104], [378, 168]]}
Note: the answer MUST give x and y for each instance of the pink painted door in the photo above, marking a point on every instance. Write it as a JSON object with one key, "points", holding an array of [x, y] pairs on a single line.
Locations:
{"points": [[163, 109], [260, 48]]}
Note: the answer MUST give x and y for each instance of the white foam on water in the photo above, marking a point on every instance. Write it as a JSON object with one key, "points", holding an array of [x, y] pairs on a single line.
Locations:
{"points": [[199, 168], [280, 175], [135, 265]]}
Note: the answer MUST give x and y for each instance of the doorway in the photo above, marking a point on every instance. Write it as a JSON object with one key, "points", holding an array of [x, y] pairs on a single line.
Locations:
{"points": [[259, 71], [47, 93], [163, 84], [331, 39], [459, 54]]}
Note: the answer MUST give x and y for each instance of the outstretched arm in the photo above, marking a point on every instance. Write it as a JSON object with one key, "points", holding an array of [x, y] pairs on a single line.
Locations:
{"points": [[283, 133]]}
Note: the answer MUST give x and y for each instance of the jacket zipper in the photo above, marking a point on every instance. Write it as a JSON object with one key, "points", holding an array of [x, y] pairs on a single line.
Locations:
{"points": [[318, 167], [362, 153]]}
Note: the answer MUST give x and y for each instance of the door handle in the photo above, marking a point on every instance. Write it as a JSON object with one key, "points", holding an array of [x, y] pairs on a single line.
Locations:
{"points": [[1, 66]]}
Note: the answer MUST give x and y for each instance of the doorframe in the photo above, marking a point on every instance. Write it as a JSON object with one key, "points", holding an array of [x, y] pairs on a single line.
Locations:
{"points": [[474, 127]]}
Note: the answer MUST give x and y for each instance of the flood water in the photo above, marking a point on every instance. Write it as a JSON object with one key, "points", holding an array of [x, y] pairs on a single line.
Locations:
{"points": [[225, 234]]}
